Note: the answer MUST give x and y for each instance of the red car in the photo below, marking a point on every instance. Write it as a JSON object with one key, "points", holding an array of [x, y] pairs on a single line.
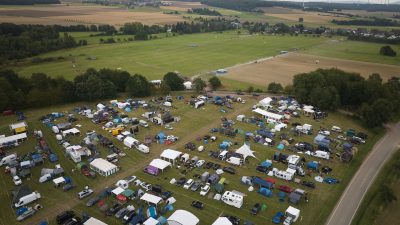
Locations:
{"points": [[285, 188]]}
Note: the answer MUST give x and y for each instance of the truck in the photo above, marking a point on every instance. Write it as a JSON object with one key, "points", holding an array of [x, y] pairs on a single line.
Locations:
{"points": [[27, 199]]}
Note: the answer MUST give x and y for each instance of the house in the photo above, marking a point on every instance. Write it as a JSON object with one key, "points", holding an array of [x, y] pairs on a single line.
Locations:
{"points": [[182, 217], [103, 167]]}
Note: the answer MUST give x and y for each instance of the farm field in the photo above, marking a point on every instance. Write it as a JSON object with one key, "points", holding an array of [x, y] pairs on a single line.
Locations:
{"points": [[188, 54], [276, 69], [198, 122], [74, 14]]}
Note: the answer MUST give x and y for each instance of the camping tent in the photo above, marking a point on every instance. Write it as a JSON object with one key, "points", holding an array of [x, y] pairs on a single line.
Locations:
{"points": [[130, 142], [182, 217], [72, 131], [103, 167], [222, 221], [160, 164], [170, 155], [245, 151], [149, 198]]}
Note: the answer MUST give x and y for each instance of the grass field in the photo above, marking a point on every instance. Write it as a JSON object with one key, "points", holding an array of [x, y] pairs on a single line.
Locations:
{"points": [[372, 211], [188, 54], [198, 122]]}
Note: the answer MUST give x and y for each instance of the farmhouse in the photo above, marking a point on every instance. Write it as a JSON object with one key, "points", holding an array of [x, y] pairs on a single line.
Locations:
{"points": [[103, 167], [268, 115]]}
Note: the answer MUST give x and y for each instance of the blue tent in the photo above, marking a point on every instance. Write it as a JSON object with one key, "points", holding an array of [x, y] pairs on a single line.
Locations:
{"points": [[43, 222], [127, 109], [282, 196], [262, 183], [162, 220], [280, 146], [152, 212], [53, 157], [21, 211], [161, 137], [266, 192], [68, 180], [224, 145], [266, 164], [321, 140], [347, 146], [312, 165]]}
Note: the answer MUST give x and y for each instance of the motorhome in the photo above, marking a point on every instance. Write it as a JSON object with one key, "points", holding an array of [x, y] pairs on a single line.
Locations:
{"points": [[7, 159], [291, 214], [222, 155], [283, 175], [143, 123], [232, 199], [27, 199], [321, 154]]}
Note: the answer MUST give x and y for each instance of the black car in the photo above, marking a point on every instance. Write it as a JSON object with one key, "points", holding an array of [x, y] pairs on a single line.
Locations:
{"points": [[309, 184], [181, 181], [128, 217], [216, 166], [166, 195], [74, 221], [209, 165], [213, 154], [68, 187], [113, 209], [262, 169], [234, 220], [64, 217], [228, 169], [93, 201], [256, 209], [326, 169], [198, 204]]}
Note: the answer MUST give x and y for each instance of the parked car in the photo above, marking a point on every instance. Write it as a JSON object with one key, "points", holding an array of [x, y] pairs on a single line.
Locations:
{"points": [[28, 213], [200, 163], [205, 189], [121, 213], [93, 201], [128, 216], [166, 195], [262, 169], [256, 209], [113, 209], [331, 180], [74, 221], [309, 184], [277, 219], [145, 186], [85, 193], [17, 181], [234, 220], [216, 166], [196, 185], [229, 170], [181, 181], [197, 204], [188, 184], [209, 165], [285, 188], [64, 217], [68, 187], [130, 179]]}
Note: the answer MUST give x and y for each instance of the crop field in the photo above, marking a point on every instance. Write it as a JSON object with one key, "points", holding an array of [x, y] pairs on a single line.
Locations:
{"points": [[81, 14], [188, 54], [277, 70], [194, 124]]}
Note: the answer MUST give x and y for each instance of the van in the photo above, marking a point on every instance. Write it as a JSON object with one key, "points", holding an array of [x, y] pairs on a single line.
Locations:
{"points": [[45, 178], [7, 159], [27, 199], [143, 123], [26, 164], [143, 148], [321, 154], [222, 155]]}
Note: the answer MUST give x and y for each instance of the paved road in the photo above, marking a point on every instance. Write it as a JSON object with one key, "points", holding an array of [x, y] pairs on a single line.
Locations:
{"points": [[362, 180]]}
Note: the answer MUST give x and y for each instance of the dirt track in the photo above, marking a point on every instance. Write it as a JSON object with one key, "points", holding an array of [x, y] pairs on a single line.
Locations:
{"points": [[282, 68]]}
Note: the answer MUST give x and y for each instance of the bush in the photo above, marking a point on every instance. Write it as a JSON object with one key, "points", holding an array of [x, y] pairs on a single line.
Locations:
{"points": [[387, 51]]}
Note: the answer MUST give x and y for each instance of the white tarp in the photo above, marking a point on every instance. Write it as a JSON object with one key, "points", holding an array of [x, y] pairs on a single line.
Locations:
{"points": [[12, 138], [222, 221], [182, 217], [267, 114], [151, 221], [94, 221], [245, 151], [149, 198], [160, 164]]}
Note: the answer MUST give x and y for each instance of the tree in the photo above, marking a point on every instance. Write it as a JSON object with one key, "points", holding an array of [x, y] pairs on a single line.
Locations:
{"points": [[250, 89], [301, 19], [199, 84], [215, 82], [165, 89], [387, 51], [275, 87], [138, 86], [174, 81], [288, 89], [376, 113]]}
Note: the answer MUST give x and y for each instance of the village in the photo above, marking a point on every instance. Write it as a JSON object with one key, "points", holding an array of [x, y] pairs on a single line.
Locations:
{"points": [[145, 161]]}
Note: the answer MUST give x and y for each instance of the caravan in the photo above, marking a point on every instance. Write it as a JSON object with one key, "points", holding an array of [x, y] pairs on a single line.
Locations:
{"points": [[321, 154], [143, 148], [8, 159], [232, 199], [284, 175]]}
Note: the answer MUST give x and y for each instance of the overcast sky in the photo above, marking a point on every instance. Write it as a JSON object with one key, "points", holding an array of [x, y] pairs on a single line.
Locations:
{"points": [[347, 1]]}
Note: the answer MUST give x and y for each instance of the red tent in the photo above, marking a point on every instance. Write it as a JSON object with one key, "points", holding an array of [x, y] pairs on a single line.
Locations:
{"points": [[121, 198]]}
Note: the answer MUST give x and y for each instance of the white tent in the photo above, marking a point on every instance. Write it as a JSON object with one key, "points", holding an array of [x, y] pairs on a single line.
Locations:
{"points": [[245, 151], [15, 126], [266, 102], [188, 85], [182, 217], [151, 221], [149, 198], [160, 164], [118, 190], [72, 131], [100, 106], [267, 114], [94, 221], [130, 142], [222, 221], [17, 137], [170, 155], [103, 167]]}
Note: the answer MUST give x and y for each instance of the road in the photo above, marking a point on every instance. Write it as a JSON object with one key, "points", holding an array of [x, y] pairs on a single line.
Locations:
{"points": [[351, 198]]}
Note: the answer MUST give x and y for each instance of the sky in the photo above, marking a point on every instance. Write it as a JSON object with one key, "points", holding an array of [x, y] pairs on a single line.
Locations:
{"points": [[347, 1]]}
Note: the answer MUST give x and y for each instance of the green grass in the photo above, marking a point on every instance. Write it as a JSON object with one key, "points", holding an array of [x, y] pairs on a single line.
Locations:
{"points": [[372, 210], [156, 57], [355, 50]]}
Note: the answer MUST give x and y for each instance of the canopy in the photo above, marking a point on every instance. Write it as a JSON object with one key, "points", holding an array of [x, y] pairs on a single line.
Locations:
{"points": [[222, 221], [149, 198], [130, 141], [117, 191], [266, 101], [245, 151], [150, 221], [183, 217], [170, 155], [268, 114], [160, 164], [18, 125], [103, 167], [71, 131], [94, 221]]}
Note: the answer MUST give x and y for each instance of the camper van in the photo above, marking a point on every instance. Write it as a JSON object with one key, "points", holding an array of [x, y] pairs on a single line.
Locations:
{"points": [[143, 123], [232, 199], [321, 154], [143, 148], [7, 159], [27, 199], [222, 155], [235, 161], [284, 175]]}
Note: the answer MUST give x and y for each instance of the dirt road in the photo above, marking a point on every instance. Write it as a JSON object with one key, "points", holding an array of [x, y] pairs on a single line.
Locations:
{"points": [[362, 180]]}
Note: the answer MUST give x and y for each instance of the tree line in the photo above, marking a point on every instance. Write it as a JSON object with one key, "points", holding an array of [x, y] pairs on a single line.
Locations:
{"points": [[40, 90], [204, 11], [381, 22], [373, 100], [28, 2]]}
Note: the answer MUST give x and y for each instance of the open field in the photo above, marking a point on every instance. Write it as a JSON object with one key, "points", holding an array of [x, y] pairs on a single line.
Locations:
{"points": [[188, 54], [294, 15], [81, 14], [199, 122], [276, 69]]}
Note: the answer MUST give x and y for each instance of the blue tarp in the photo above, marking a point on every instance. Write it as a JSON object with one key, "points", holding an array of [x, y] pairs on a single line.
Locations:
{"points": [[265, 133], [262, 183], [347, 146], [152, 212], [53, 157], [282, 196], [127, 109], [321, 140]]}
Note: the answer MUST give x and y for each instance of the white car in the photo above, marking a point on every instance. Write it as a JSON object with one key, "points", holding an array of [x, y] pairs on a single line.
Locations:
{"points": [[325, 132], [200, 163], [137, 182], [205, 189], [341, 137], [130, 179], [17, 181], [188, 184], [145, 186]]}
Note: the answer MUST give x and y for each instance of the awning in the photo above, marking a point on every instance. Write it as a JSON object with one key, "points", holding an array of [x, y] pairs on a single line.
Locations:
{"points": [[149, 198]]}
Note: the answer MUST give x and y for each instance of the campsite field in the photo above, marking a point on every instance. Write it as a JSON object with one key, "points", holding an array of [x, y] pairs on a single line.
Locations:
{"points": [[198, 122], [276, 69]]}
